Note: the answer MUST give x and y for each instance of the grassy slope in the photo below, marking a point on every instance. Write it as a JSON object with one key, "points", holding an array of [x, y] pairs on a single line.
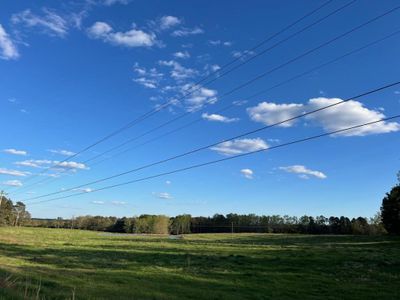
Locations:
{"points": [[222, 266]]}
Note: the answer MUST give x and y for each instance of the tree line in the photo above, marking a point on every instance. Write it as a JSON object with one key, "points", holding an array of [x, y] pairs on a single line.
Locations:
{"points": [[387, 221], [183, 224]]}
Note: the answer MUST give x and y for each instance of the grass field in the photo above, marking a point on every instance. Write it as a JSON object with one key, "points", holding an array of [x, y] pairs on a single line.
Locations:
{"points": [[72, 264]]}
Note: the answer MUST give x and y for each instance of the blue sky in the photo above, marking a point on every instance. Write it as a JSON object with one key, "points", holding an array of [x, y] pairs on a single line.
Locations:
{"points": [[75, 71]]}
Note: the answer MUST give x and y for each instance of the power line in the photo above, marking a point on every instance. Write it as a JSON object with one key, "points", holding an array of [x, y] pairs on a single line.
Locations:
{"points": [[260, 76], [220, 142], [224, 159], [247, 98], [167, 103], [257, 77]]}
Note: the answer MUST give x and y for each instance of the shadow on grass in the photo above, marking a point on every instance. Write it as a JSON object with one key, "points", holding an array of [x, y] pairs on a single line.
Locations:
{"points": [[290, 267]]}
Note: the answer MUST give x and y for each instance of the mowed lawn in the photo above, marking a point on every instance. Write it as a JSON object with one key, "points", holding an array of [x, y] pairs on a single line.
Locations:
{"points": [[73, 264]]}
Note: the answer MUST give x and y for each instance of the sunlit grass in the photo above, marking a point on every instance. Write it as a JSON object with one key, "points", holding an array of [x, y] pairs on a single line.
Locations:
{"points": [[92, 265]]}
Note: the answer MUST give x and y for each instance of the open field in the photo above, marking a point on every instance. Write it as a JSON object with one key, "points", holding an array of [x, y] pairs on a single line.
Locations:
{"points": [[92, 265]]}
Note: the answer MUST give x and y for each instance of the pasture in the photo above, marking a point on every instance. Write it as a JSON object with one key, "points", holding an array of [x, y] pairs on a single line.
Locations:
{"points": [[38, 263]]}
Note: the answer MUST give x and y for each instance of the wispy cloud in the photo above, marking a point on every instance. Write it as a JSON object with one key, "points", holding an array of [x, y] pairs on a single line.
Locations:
{"points": [[178, 71], [13, 172], [15, 151], [218, 118], [62, 152], [98, 202], [83, 190], [247, 173], [187, 31], [118, 203], [240, 146], [12, 183], [219, 42], [49, 22], [163, 195], [44, 163], [182, 54], [8, 50], [303, 172]]}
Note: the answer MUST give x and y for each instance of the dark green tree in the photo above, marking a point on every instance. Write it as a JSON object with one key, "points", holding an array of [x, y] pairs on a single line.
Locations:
{"points": [[390, 210]]}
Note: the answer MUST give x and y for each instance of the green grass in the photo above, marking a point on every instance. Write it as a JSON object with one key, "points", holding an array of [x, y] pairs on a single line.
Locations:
{"points": [[93, 265]]}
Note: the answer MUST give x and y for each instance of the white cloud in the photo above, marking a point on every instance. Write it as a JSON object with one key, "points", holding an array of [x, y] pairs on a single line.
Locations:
{"points": [[112, 2], [44, 163], [240, 146], [13, 172], [84, 190], [12, 183], [187, 31], [242, 54], [349, 114], [218, 118], [199, 97], [182, 54], [167, 22], [168, 182], [15, 151], [219, 42], [341, 116], [303, 172], [164, 195], [97, 202], [178, 71], [8, 50], [118, 202], [247, 173], [62, 152], [149, 83], [51, 23], [131, 38], [271, 113]]}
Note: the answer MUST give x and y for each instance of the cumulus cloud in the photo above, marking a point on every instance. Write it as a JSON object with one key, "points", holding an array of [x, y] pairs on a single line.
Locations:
{"points": [[347, 114], [62, 152], [187, 31], [271, 113], [218, 118], [50, 22], [167, 22], [131, 38], [13, 172], [15, 151], [247, 173], [303, 172], [240, 146], [164, 195], [12, 183], [8, 50], [182, 54]]}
